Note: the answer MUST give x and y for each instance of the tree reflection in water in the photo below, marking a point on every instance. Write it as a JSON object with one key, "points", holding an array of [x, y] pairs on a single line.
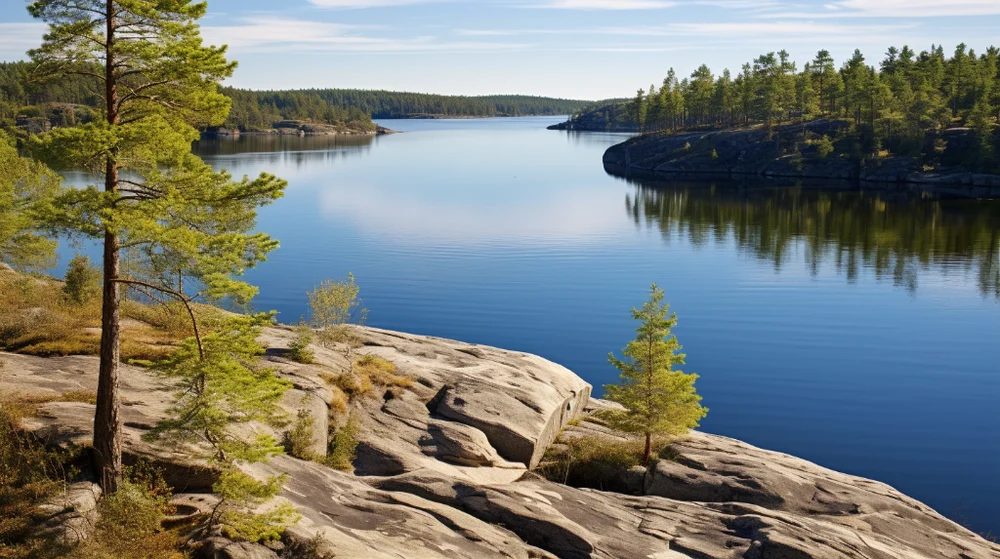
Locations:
{"points": [[896, 235]]}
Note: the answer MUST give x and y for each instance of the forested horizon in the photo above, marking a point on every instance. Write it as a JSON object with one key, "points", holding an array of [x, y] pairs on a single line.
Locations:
{"points": [[253, 109], [905, 91], [74, 98]]}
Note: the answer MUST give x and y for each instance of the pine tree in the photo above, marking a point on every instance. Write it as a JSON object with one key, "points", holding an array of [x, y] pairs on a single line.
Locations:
{"points": [[25, 185], [658, 400], [159, 85]]}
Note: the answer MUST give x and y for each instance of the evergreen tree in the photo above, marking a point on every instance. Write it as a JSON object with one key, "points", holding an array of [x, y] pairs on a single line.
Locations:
{"points": [[639, 108], [24, 186], [658, 400], [158, 84]]}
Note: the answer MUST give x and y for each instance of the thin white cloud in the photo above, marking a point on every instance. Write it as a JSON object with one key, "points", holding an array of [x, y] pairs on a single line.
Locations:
{"points": [[770, 29], [604, 4], [17, 38], [285, 35], [715, 31], [647, 4], [903, 9], [358, 4]]}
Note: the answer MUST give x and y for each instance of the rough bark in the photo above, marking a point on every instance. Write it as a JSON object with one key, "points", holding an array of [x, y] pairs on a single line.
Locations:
{"points": [[107, 426]]}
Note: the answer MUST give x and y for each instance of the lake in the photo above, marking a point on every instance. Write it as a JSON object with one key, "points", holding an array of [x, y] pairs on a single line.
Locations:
{"points": [[855, 329]]}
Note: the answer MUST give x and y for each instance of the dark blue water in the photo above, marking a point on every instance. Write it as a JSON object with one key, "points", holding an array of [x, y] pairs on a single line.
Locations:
{"points": [[855, 330]]}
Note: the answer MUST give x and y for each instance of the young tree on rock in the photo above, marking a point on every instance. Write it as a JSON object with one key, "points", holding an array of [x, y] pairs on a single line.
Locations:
{"points": [[658, 400], [160, 84]]}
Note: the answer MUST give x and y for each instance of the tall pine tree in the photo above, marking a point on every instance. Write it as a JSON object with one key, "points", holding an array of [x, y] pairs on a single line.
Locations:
{"points": [[160, 83]]}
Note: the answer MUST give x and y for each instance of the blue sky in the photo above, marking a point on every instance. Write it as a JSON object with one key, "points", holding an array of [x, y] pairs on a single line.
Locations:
{"points": [[587, 49]]}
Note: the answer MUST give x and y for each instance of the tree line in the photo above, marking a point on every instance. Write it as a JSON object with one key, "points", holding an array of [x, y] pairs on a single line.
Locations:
{"points": [[78, 98], [259, 109], [892, 104]]}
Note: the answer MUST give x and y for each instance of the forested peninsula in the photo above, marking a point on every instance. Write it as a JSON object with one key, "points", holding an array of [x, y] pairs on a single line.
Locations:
{"points": [[929, 117], [31, 104]]}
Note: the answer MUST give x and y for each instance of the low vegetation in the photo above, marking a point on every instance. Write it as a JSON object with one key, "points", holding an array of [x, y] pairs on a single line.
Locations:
{"points": [[33, 322], [298, 440], [130, 524], [29, 474], [343, 447], [600, 462], [298, 350], [131, 520]]}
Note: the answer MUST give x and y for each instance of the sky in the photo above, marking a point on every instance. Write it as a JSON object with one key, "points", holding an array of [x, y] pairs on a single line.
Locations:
{"points": [[580, 49]]}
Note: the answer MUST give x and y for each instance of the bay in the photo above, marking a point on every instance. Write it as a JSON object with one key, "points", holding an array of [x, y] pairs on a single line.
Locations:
{"points": [[859, 330]]}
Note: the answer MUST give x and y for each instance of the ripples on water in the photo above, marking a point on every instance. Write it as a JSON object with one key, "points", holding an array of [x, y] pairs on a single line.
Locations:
{"points": [[858, 330]]}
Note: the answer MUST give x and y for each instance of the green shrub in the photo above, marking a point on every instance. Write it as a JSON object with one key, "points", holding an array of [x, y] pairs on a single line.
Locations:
{"points": [[343, 447], [131, 520], [824, 147], [298, 350], [238, 512], [299, 438], [82, 281]]}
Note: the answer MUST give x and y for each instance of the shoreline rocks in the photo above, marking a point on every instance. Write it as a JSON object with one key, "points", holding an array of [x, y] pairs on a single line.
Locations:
{"points": [[444, 469], [298, 128], [755, 153]]}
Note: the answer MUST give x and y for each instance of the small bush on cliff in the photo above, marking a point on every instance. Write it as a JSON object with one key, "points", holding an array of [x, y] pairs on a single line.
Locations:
{"points": [[298, 350], [300, 437], [658, 400], [334, 305], [343, 447]]}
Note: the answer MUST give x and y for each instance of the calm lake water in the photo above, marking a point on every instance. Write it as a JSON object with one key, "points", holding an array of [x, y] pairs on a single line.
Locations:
{"points": [[857, 330]]}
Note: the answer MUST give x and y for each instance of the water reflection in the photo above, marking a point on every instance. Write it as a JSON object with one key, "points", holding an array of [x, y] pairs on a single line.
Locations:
{"points": [[294, 151], [895, 235]]}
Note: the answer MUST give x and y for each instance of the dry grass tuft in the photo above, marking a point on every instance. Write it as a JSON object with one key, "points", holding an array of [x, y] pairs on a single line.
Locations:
{"points": [[380, 372], [598, 462], [35, 322]]}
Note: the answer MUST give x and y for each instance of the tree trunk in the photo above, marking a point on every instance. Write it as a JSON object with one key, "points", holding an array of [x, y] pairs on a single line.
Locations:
{"points": [[649, 449], [107, 427]]}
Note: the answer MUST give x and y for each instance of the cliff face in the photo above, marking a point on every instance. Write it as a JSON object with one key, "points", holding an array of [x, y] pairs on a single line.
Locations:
{"points": [[444, 470], [757, 152]]}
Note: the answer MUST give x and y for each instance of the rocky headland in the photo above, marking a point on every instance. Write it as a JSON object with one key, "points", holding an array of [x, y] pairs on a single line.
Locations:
{"points": [[608, 118], [780, 153], [445, 469]]}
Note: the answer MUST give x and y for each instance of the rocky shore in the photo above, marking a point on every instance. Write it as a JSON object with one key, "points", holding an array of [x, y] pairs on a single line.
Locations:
{"points": [[300, 128], [757, 153], [444, 469]]}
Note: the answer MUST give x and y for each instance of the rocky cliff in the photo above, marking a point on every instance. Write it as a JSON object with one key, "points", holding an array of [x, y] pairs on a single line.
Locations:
{"points": [[444, 470], [781, 153]]}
